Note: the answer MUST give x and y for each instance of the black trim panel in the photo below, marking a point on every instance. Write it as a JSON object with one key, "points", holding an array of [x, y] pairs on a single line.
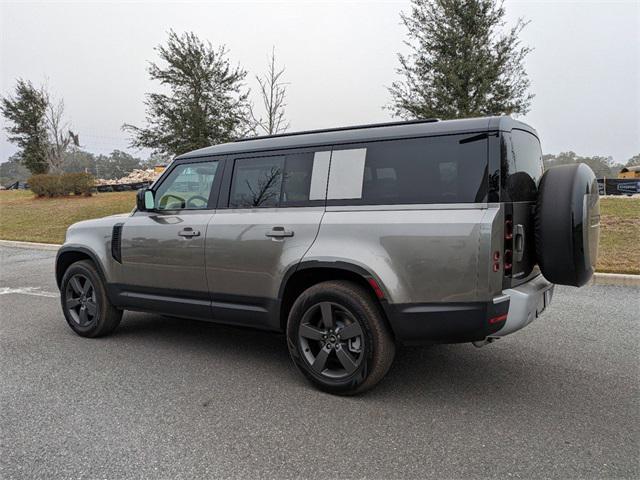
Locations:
{"points": [[423, 324]]}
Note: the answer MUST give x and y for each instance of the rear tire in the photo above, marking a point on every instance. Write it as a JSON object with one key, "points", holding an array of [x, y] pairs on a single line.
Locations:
{"points": [[338, 338], [85, 304]]}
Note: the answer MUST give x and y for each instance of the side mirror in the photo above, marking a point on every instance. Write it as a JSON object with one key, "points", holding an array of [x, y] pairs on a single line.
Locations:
{"points": [[145, 200]]}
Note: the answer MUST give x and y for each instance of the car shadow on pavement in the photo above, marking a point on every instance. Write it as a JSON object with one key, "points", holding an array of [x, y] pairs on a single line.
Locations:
{"points": [[497, 375]]}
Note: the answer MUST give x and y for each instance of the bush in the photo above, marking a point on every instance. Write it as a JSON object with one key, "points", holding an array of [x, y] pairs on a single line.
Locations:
{"points": [[45, 185]]}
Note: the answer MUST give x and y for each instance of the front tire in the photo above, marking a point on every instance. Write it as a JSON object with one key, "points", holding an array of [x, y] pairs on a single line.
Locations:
{"points": [[338, 338], [85, 304]]}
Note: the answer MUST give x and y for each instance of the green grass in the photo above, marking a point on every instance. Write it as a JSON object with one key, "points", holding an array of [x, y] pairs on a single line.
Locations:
{"points": [[619, 235], [24, 217]]}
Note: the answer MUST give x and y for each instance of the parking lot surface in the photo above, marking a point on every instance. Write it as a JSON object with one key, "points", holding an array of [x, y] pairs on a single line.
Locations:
{"points": [[169, 398]]}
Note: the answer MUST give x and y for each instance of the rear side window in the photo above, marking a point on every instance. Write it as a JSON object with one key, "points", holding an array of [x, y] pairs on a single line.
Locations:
{"points": [[446, 169], [294, 179], [522, 166]]}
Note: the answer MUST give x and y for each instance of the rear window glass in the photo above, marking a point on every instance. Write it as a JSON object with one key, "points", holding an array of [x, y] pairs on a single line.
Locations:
{"points": [[522, 166], [447, 169], [281, 180]]}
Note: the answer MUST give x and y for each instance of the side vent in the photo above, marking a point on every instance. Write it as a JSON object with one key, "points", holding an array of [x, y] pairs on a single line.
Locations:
{"points": [[116, 241]]}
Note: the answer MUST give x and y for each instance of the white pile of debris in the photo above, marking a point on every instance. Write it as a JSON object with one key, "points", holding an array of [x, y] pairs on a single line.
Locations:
{"points": [[136, 176]]}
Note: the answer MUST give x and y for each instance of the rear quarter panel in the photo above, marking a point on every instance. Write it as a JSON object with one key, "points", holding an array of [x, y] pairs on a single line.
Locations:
{"points": [[419, 253]]}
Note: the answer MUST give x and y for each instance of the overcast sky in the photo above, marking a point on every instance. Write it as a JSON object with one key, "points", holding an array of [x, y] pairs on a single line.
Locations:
{"points": [[340, 57]]}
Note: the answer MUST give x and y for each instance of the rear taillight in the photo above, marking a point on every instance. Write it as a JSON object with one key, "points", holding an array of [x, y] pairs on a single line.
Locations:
{"points": [[508, 245]]}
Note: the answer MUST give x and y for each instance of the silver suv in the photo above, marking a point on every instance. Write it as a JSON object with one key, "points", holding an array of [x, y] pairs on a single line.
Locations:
{"points": [[350, 240]]}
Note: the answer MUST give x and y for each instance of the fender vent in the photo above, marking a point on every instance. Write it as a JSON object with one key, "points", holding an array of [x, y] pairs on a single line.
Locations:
{"points": [[116, 240]]}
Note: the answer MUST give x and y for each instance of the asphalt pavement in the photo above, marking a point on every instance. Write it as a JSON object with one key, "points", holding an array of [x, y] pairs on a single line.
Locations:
{"points": [[169, 398]]}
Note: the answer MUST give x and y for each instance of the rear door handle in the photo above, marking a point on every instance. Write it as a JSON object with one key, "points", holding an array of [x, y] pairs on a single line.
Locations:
{"points": [[518, 242], [189, 232], [279, 232]]}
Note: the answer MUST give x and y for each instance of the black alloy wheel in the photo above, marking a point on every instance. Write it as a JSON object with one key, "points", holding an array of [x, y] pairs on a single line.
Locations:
{"points": [[81, 300], [331, 339]]}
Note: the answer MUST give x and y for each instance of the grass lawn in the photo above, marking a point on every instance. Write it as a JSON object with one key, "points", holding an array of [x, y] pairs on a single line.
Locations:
{"points": [[23, 217], [619, 235]]}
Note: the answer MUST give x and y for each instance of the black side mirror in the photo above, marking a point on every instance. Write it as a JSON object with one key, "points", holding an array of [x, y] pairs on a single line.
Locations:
{"points": [[145, 200]]}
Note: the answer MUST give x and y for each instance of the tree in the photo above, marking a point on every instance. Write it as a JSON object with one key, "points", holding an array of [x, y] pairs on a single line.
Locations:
{"points": [[116, 165], [206, 103], [462, 63], [273, 92], [26, 115], [79, 161], [601, 166], [13, 171], [60, 137], [633, 161]]}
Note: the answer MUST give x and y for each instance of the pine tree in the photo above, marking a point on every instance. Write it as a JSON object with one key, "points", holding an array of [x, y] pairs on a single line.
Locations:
{"points": [[205, 104], [26, 115], [462, 63]]}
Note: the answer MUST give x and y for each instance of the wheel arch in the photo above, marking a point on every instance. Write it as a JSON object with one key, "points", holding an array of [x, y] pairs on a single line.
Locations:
{"points": [[309, 273], [67, 256]]}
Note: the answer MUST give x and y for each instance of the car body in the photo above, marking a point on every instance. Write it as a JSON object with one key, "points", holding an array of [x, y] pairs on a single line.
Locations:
{"points": [[433, 220]]}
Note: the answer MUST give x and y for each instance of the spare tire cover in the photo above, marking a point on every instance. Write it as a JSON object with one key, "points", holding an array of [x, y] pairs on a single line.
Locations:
{"points": [[568, 224]]}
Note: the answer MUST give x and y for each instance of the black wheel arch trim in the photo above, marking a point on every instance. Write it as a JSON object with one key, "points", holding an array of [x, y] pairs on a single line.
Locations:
{"points": [[78, 249], [337, 265]]}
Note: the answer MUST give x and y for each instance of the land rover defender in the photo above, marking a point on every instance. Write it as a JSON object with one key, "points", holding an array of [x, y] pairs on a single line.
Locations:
{"points": [[351, 241]]}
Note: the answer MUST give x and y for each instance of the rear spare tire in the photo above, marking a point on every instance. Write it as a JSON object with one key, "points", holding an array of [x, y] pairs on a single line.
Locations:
{"points": [[568, 224]]}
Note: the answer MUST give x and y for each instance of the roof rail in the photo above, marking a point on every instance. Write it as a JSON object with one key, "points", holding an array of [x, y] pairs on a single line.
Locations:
{"points": [[340, 129]]}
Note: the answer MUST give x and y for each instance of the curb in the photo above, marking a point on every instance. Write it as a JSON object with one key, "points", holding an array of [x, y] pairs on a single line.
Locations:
{"points": [[31, 245], [620, 279]]}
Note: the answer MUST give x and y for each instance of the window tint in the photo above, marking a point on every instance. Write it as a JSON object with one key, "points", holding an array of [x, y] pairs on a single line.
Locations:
{"points": [[297, 178], [256, 182], [283, 180], [188, 186], [522, 166], [447, 169]]}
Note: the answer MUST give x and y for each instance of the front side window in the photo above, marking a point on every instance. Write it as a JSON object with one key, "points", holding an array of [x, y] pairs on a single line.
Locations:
{"points": [[187, 187]]}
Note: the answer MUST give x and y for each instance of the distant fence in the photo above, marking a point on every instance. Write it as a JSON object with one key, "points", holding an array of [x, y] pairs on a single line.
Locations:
{"points": [[618, 186]]}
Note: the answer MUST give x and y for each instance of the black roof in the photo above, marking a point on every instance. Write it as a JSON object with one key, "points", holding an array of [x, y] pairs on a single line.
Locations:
{"points": [[362, 133]]}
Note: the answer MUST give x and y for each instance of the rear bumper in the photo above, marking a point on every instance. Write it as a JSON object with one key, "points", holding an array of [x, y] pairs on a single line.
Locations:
{"points": [[423, 324], [526, 303]]}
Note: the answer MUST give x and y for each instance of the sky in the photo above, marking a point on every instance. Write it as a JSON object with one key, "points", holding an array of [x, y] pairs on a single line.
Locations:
{"points": [[340, 57]]}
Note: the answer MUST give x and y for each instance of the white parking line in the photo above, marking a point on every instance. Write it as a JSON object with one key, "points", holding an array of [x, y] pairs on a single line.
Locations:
{"points": [[35, 291]]}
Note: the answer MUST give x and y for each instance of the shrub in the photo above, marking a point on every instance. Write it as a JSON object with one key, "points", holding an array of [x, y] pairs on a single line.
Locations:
{"points": [[77, 183], [46, 185]]}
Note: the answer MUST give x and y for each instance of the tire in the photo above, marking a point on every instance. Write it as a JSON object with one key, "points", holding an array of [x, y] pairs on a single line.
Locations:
{"points": [[359, 347], [567, 226], [86, 307]]}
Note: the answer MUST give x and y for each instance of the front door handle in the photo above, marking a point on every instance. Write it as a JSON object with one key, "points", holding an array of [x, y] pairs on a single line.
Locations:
{"points": [[189, 232], [279, 232]]}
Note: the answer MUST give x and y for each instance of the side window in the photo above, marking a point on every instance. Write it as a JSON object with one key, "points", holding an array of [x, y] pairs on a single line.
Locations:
{"points": [[187, 187], [446, 169], [526, 158], [297, 178], [293, 179], [256, 182]]}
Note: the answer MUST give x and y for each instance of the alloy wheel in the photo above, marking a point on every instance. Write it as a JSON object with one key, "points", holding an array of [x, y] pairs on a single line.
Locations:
{"points": [[331, 340], [81, 301]]}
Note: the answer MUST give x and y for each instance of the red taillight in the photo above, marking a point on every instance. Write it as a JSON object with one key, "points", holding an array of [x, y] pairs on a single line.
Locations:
{"points": [[496, 256], [508, 229], [376, 288], [508, 258], [498, 319]]}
